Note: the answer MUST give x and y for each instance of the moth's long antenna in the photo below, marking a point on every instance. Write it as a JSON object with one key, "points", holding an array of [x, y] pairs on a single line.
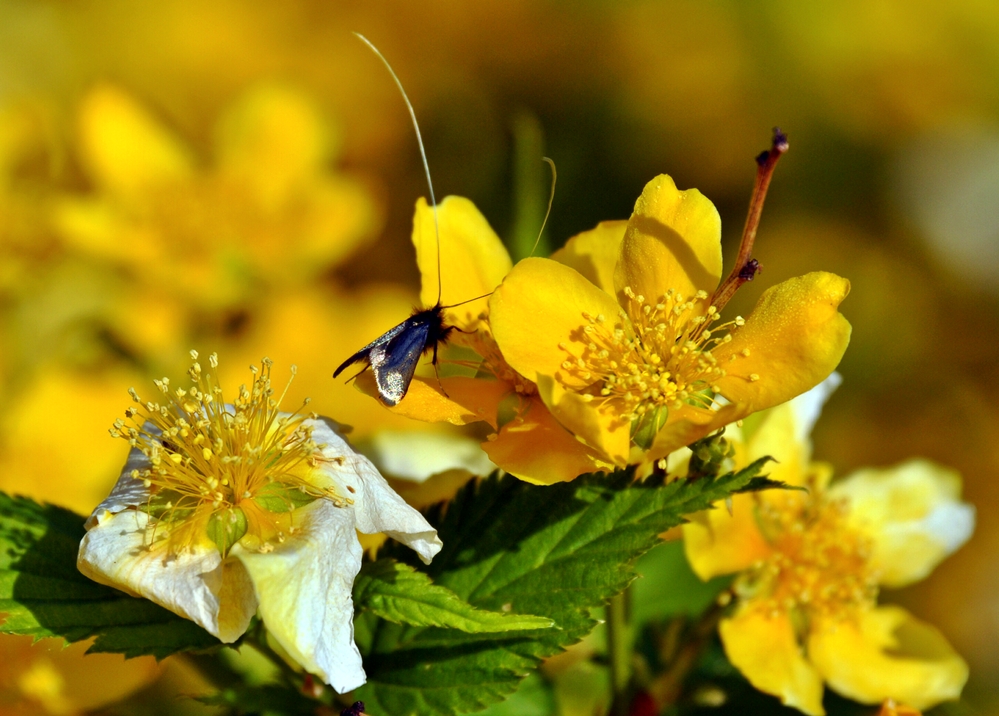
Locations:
{"points": [[551, 198], [423, 154]]}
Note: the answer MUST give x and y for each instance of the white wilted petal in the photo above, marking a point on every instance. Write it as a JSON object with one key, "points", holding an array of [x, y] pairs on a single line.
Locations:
{"points": [[223, 511]]}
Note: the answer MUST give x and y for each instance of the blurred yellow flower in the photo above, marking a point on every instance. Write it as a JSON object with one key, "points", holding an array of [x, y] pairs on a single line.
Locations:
{"points": [[224, 510], [49, 677], [620, 333], [810, 565], [525, 440], [268, 213], [75, 468]]}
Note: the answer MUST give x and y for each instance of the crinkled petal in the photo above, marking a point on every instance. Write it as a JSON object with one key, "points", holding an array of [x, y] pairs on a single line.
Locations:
{"points": [[792, 341], [887, 653], [764, 648], [128, 492], [595, 253], [539, 306], [912, 513], [536, 448], [718, 541], [273, 138], [376, 507], [194, 583], [304, 587], [125, 148], [473, 259], [673, 241]]}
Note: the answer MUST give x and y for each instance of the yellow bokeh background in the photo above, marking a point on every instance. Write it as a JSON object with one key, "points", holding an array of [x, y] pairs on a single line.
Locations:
{"points": [[241, 178]]}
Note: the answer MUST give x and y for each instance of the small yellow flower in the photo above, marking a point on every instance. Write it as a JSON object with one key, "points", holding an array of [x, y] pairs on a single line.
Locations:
{"points": [[810, 565], [620, 333], [225, 510], [479, 385]]}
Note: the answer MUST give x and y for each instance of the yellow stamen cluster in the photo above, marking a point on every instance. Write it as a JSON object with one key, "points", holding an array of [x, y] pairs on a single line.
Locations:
{"points": [[654, 356], [819, 566], [216, 468]]}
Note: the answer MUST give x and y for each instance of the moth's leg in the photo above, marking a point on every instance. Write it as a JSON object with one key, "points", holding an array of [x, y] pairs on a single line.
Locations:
{"points": [[437, 373], [356, 375]]}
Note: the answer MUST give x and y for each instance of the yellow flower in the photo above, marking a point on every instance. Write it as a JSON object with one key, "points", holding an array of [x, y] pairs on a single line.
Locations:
{"points": [[621, 336], [225, 510], [810, 565], [478, 384], [51, 677], [268, 213], [34, 464]]}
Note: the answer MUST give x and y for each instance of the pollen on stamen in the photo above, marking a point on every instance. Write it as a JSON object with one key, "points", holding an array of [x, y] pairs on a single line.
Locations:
{"points": [[207, 458], [819, 565], [656, 355]]}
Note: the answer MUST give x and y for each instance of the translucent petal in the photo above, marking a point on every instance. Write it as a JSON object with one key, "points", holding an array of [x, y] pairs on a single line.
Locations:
{"points": [[304, 586], [376, 507]]}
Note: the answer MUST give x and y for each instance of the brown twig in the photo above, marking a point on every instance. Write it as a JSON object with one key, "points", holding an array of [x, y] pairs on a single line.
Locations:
{"points": [[746, 267]]}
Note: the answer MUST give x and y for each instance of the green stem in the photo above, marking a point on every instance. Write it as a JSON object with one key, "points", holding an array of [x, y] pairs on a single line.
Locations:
{"points": [[619, 648]]}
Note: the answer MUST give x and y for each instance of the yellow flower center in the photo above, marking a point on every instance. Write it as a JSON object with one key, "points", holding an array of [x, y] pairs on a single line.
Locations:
{"points": [[655, 356], [819, 567], [223, 472]]}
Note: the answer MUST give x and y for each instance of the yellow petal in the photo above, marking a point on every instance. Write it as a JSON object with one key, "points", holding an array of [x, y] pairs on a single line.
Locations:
{"points": [[673, 241], [794, 337], [887, 653], [764, 648], [464, 400], [125, 148], [594, 253], [535, 448], [913, 515], [688, 424], [776, 437], [539, 305], [719, 542], [473, 260], [273, 138], [601, 428]]}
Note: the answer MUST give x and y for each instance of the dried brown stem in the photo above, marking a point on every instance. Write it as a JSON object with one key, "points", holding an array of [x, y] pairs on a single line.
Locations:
{"points": [[746, 267]]}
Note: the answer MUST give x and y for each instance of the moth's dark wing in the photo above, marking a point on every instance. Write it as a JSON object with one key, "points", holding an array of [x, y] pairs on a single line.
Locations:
{"points": [[365, 353], [394, 362]]}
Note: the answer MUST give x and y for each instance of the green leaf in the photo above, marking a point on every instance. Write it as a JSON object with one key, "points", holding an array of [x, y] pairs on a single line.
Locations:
{"points": [[398, 593], [668, 586], [44, 595], [558, 551]]}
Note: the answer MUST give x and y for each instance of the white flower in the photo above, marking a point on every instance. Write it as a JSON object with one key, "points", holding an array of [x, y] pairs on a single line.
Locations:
{"points": [[225, 511]]}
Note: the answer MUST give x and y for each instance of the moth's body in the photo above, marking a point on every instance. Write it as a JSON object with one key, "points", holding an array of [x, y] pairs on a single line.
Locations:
{"points": [[394, 355]]}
